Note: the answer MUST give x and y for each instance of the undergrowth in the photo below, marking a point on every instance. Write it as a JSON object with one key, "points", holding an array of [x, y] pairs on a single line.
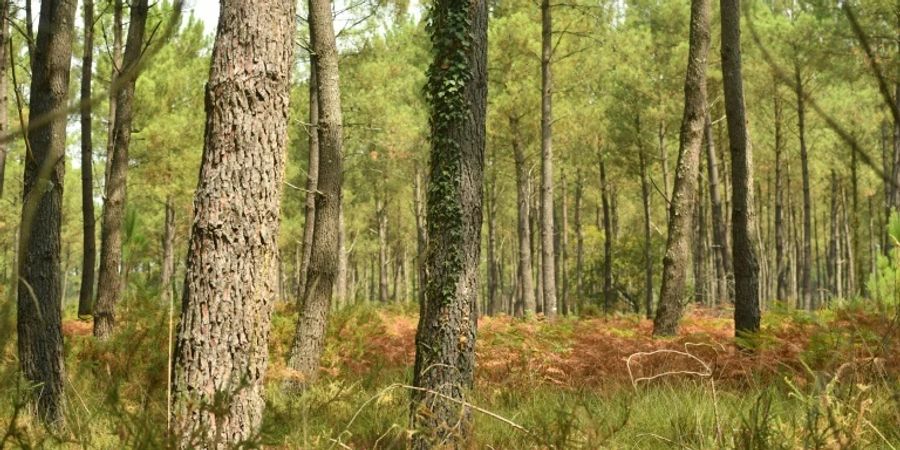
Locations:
{"points": [[824, 380]]}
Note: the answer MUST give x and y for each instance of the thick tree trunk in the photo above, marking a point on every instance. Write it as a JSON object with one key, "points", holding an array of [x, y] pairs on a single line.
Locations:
{"points": [[312, 176], [89, 253], [746, 267], [806, 290], [527, 302], [719, 225], [110, 283], [168, 247], [39, 325], [676, 261], [309, 339], [445, 339], [548, 252], [221, 351], [116, 56]]}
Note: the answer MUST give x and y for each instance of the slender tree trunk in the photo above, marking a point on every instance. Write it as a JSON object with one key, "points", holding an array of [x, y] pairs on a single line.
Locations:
{"points": [[39, 321], [564, 249], [89, 254], [719, 225], [340, 288], [221, 352], [806, 261], [746, 266], [647, 248], [421, 230], [608, 294], [309, 339], [664, 164], [579, 244], [895, 173], [536, 253], [445, 339], [525, 280], [781, 270], [110, 284], [493, 295], [4, 87], [168, 246], [676, 261], [381, 217], [312, 175], [548, 253], [118, 31]]}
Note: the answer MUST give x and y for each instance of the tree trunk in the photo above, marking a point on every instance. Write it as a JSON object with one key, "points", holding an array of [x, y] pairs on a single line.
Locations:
{"points": [[39, 322], [526, 282], [493, 296], [445, 339], [895, 173], [664, 163], [672, 294], [89, 254], [746, 267], [340, 289], [579, 244], [781, 270], [719, 225], [564, 249], [4, 87], [110, 283], [647, 248], [168, 262], [118, 7], [548, 252], [312, 176], [806, 290], [309, 339], [221, 351], [608, 294], [381, 217], [421, 232]]}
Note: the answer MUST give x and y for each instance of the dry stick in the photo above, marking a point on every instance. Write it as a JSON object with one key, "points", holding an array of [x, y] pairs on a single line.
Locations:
{"points": [[463, 403]]}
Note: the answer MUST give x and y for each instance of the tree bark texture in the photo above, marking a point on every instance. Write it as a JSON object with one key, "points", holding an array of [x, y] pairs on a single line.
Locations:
{"points": [[548, 252], [89, 254], [110, 283], [230, 286], [39, 326], [4, 88], [676, 261], [746, 266], [309, 338], [806, 290], [312, 175], [526, 282], [445, 339]]}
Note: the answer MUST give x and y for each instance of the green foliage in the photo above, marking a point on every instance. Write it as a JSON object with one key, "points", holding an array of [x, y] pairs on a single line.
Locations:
{"points": [[883, 285]]}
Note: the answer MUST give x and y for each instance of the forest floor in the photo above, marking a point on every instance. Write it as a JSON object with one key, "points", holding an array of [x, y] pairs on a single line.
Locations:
{"points": [[824, 380]]}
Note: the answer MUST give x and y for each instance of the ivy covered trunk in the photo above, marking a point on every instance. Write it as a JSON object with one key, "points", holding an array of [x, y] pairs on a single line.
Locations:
{"points": [[445, 339], [746, 266], [309, 339], [230, 286], [110, 284], [681, 207], [39, 322]]}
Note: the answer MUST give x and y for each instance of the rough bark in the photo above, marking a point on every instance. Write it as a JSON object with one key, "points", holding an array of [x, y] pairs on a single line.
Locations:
{"points": [[89, 253], [110, 283], [221, 350], [168, 247], [39, 326], [806, 291], [445, 339], [677, 258], [746, 267], [312, 176], [548, 252], [309, 339], [526, 282]]}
